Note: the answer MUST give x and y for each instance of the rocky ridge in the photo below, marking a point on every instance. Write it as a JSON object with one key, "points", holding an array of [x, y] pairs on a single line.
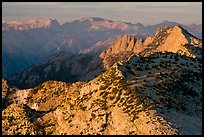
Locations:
{"points": [[144, 101], [61, 66], [36, 39], [167, 39], [155, 92]]}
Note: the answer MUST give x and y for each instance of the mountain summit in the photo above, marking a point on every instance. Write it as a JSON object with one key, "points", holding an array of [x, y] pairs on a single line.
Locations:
{"points": [[167, 39]]}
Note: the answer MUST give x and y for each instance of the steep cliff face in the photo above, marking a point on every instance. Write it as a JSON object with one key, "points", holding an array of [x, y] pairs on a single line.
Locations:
{"points": [[176, 40], [123, 48], [173, 39], [125, 44]]}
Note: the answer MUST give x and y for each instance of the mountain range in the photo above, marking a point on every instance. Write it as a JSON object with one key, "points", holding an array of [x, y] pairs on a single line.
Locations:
{"points": [[95, 76], [150, 86], [28, 42], [66, 67]]}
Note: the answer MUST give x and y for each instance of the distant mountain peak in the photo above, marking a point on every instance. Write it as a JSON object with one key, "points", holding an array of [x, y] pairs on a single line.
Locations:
{"points": [[139, 24], [168, 22], [29, 23], [91, 19]]}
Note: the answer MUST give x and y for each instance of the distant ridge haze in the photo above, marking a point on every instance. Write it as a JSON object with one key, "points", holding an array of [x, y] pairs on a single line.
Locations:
{"points": [[47, 21], [28, 42], [147, 13]]}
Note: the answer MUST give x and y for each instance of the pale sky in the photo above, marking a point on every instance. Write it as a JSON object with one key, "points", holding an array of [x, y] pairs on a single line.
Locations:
{"points": [[147, 13]]}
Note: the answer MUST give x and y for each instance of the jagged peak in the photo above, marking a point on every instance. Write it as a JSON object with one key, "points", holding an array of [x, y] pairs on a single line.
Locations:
{"points": [[174, 39], [176, 30], [125, 37], [184, 31], [165, 39], [178, 27], [181, 31], [125, 43], [162, 29]]}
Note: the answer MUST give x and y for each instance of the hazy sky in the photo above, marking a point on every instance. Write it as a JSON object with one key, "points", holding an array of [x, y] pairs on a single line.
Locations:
{"points": [[147, 13]]}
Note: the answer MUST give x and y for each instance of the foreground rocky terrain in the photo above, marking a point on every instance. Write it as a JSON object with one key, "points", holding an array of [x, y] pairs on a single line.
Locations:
{"points": [[155, 91]]}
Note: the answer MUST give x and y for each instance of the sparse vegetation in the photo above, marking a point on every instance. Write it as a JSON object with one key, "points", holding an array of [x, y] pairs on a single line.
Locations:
{"points": [[141, 90]]}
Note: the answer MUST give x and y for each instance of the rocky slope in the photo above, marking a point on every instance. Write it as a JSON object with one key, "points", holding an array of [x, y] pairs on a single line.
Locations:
{"points": [[176, 40], [7, 91], [154, 92], [61, 66], [158, 94]]}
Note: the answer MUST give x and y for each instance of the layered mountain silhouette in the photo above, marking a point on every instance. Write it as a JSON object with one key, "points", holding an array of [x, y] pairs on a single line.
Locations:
{"points": [[70, 68], [155, 93], [32, 41], [30, 24], [61, 66], [123, 84]]}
